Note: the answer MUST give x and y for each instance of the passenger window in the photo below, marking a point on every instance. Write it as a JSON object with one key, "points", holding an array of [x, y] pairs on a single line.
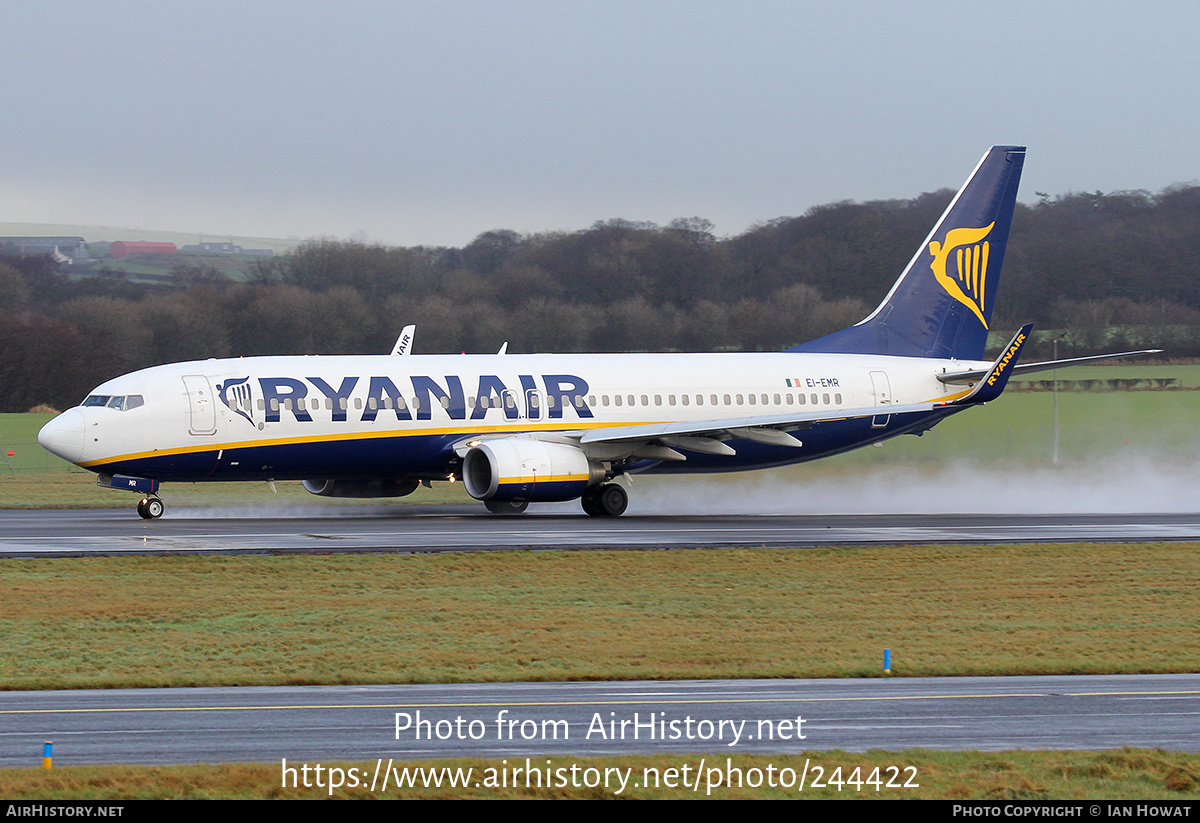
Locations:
{"points": [[683, 399], [837, 398], [617, 400], [751, 398], [825, 399]]}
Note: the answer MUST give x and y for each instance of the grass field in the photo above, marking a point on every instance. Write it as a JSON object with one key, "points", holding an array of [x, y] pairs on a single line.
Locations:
{"points": [[110, 622]]}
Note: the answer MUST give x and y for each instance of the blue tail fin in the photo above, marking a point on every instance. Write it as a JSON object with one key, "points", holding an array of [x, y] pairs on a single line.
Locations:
{"points": [[942, 304]]}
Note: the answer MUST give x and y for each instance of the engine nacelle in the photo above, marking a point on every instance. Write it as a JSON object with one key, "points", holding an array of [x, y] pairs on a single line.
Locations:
{"points": [[515, 468], [369, 487]]}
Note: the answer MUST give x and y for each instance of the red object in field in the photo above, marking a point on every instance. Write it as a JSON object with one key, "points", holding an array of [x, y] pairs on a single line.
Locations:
{"points": [[123, 247], [11, 452]]}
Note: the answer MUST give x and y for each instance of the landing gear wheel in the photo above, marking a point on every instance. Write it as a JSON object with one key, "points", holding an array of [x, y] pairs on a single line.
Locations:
{"points": [[506, 506], [613, 500], [591, 501], [150, 508], [609, 500]]}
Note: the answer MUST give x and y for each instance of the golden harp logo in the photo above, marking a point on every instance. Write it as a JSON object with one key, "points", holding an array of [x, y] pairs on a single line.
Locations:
{"points": [[968, 284]]}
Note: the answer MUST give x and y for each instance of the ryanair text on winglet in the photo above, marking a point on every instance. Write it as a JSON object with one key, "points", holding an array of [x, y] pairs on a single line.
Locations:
{"points": [[1006, 359]]}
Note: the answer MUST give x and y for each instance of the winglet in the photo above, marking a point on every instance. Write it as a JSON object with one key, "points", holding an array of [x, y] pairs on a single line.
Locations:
{"points": [[405, 340], [990, 387]]}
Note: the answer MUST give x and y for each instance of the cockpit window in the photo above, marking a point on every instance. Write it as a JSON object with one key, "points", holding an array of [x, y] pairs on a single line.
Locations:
{"points": [[118, 402]]}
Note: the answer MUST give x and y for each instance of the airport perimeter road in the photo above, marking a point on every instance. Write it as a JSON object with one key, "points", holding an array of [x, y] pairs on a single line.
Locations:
{"points": [[459, 528], [517, 720]]}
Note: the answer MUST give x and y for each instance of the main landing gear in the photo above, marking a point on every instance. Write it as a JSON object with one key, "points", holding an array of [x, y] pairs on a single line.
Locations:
{"points": [[506, 506], [150, 508], [605, 500]]}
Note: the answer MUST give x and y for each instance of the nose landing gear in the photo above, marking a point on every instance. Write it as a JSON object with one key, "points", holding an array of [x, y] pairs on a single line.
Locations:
{"points": [[150, 508]]}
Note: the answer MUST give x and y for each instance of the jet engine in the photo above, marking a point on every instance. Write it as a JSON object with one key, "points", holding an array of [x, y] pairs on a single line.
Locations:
{"points": [[368, 487], [516, 468]]}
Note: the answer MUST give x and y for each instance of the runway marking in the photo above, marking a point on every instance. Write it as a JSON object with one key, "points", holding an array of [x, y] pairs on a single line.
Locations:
{"points": [[498, 704]]}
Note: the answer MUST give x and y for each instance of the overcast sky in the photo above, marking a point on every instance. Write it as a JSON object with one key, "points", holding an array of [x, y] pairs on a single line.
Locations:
{"points": [[430, 122]]}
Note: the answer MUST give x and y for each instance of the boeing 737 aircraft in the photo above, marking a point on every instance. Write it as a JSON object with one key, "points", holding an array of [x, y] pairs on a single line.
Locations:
{"points": [[525, 428]]}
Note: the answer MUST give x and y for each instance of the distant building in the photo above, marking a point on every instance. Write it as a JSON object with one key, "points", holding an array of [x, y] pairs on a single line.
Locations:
{"points": [[225, 247], [66, 250], [120, 248]]}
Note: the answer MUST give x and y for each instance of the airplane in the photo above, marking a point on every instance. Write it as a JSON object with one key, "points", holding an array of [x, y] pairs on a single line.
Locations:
{"points": [[522, 428]]}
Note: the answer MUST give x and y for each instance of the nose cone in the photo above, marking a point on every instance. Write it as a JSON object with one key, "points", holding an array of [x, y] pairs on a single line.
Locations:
{"points": [[63, 435]]}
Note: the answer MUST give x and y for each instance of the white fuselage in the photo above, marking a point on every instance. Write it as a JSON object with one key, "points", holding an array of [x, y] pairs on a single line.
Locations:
{"points": [[238, 413]]}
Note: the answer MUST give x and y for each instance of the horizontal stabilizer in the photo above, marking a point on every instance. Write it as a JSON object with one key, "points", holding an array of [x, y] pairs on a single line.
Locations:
{"points": [[1046, 365]]}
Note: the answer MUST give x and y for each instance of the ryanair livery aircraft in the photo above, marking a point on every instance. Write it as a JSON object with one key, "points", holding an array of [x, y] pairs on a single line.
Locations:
{"points": [[517, 429]]}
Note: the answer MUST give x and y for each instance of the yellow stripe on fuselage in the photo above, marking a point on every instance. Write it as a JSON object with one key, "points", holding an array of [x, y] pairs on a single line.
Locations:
{"points": [[337, 438]]}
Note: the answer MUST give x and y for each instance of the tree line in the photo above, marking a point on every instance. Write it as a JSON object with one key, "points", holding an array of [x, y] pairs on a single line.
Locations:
{"points": [[1108, 270]]}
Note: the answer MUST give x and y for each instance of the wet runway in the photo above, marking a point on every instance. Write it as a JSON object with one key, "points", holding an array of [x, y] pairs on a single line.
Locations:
{"points": [[305, 530]]}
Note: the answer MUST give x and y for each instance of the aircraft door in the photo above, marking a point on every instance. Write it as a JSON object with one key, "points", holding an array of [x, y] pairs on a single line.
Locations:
{"points": [[883, 397], [202, 419]]}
